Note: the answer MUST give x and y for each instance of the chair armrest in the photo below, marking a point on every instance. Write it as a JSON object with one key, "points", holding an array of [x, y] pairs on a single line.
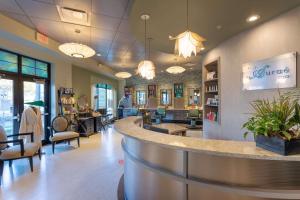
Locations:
{"points": [[20, 141], [20, 134]]}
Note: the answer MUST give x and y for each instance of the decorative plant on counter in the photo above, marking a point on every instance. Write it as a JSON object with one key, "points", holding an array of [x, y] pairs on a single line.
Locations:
{"points": [[275, 124]]}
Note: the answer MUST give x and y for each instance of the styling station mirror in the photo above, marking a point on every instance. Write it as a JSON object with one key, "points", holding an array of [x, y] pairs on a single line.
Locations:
{"points": [[166, 97], [141, 97], [194, 97]]}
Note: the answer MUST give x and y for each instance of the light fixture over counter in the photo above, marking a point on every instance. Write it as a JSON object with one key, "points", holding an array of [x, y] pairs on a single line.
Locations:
{"points": [[188, 42], [175, 70], [146, 67], [123, 75]]}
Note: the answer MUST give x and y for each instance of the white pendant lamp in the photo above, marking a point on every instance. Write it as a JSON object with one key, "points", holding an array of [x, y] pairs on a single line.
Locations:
{"points": [[76, 50], [188, 42], [123, 75], [146, 67], [175, 70]]}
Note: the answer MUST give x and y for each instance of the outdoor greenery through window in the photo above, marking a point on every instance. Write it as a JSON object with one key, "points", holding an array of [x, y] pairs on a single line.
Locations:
{"points": [[140, 97], [106, 99]]}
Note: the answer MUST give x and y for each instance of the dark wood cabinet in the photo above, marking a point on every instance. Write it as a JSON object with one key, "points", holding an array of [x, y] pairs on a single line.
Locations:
{"points": [[86, 126], [97, 124]]}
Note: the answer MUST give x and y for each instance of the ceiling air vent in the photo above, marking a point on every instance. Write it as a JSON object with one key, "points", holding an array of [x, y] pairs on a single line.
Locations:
{"points": [[74, 16]]}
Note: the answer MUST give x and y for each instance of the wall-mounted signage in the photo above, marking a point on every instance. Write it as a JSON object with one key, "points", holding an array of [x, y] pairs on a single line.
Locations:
{"points": [[42, 38], [275, 72]]}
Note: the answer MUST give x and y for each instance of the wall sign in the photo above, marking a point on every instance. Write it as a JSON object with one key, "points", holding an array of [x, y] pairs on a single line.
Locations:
{"points": [[42, 38], [275, 72]]}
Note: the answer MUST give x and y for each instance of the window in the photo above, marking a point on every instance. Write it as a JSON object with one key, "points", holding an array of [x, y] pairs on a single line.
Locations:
{"points": [[140, 97], [34, 67], [8, 62], [106, 98]]}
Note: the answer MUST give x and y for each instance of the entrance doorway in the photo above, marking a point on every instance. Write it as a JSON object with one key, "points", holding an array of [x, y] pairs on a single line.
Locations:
{"points": [[22, 80]]}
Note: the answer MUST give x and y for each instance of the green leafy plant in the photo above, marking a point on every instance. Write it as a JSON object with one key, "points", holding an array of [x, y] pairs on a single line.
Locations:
{"points": [[279, 117]]}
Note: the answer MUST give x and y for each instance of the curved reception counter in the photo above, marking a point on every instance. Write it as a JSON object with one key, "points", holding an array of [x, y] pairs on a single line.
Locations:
{"points": [[160, 166]]}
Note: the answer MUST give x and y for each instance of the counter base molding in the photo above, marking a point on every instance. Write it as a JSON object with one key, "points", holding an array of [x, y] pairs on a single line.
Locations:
{"points": [[154, 170]]}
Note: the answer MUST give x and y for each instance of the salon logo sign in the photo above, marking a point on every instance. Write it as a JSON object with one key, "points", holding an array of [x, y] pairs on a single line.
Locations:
{"points": [[275, 72]]}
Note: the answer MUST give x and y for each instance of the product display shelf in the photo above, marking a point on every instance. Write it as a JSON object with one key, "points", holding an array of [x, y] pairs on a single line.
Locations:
{"points": [[211, 94]]}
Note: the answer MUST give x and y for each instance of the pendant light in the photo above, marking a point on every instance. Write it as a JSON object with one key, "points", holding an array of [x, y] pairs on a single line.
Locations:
{"points": [[146, 67], [175, 69], [123, 75], [76, 50], [188, 42]]}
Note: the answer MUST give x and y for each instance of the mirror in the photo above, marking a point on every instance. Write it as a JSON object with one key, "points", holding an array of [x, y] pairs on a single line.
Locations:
{"points": [[165, 97], [194, 97]]}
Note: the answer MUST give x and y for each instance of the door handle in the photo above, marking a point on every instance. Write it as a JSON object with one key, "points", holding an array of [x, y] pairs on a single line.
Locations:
{"points": [[17, 117]]}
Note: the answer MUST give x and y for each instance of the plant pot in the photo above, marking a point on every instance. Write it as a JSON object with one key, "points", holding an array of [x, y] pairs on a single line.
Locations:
{"points": [[278, 145]]}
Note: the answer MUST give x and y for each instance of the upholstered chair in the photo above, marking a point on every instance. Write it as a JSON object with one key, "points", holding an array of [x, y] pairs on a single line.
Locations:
{"points": [[59, 132], [160, 114], [194, 115], [18, 151]]}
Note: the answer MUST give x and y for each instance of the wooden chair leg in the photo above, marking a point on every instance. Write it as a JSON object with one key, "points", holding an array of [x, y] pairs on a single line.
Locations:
{"points": [[31, 163], [53, 146], [40, 153], [78, 142], [1, 170], [10, 163]]}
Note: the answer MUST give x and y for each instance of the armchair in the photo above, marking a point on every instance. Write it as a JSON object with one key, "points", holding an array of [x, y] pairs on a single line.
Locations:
{"points": [[194, 115], [18, 151], [59, 132], [160, 114]]}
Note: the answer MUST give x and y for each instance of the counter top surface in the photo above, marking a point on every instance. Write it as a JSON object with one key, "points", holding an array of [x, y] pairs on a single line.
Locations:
{"points": [[129, 127]]}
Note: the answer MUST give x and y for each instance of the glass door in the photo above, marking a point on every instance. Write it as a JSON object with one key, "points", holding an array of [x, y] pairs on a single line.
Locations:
{"points": [[36, 90], [9, 115]]}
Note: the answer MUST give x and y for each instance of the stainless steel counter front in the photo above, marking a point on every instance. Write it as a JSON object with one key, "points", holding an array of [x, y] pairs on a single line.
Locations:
{"points": [[160, 166]]}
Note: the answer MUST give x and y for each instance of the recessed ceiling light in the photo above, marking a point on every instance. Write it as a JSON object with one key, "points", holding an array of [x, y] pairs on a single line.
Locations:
{"points": [[202, 48], [191, 68], [253, 18], [98, 54]]}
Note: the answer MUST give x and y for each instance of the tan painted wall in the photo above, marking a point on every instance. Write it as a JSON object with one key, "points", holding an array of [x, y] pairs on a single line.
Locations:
{"points": [[19, 38], [281, 35], [83, 80]]}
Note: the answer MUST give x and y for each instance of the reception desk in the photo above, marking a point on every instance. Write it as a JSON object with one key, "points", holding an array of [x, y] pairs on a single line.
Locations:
{"points": [[160, 166]]}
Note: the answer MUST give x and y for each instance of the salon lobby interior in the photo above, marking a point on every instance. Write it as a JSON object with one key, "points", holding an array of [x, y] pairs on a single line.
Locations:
{"points": [[149, 99]]}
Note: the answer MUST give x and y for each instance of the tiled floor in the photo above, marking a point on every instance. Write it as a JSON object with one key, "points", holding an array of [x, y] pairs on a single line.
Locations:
{"points": [[91, 172]]}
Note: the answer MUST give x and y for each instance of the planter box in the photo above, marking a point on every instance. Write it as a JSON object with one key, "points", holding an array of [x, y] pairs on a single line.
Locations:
{"points": [[278, 145]]}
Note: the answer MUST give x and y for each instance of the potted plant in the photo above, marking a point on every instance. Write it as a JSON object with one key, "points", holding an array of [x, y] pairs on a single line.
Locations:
{"points": [[275, 124]]}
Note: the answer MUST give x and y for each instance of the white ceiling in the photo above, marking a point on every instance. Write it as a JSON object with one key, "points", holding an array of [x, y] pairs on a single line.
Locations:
{"points": [[116, 30]]}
